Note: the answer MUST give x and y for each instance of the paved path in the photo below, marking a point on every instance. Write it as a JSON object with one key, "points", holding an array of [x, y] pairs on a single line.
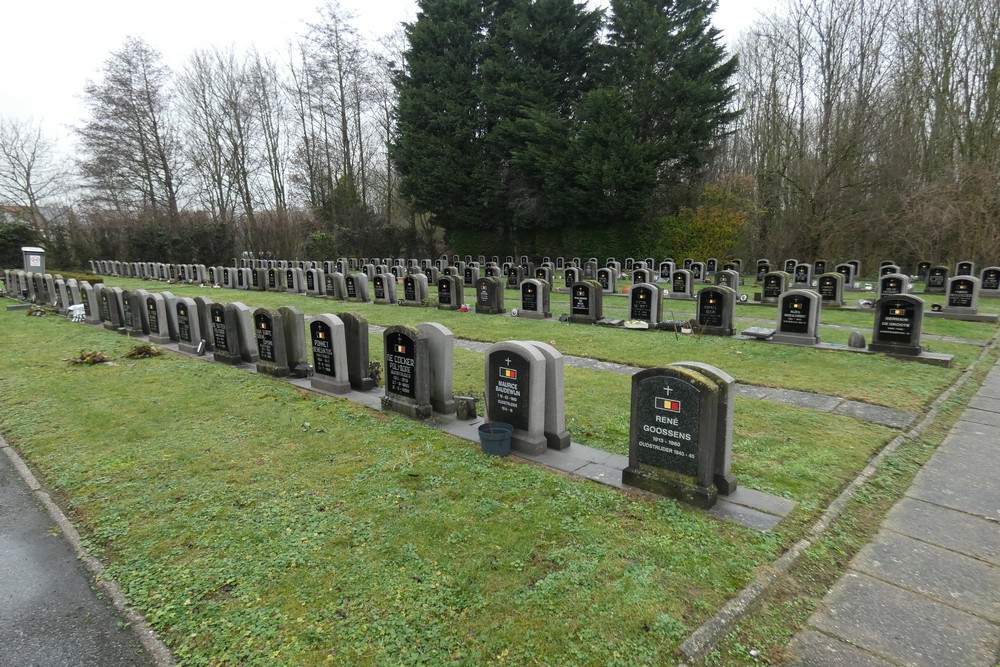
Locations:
{"points": [[49, 614], [926, 591]]}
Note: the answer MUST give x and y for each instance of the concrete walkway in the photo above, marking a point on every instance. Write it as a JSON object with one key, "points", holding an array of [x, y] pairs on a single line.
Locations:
{"points": [[50, 616], [926, 591]]}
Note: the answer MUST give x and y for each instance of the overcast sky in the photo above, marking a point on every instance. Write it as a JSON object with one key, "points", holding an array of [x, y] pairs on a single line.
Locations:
{"points": [[50, 48]]}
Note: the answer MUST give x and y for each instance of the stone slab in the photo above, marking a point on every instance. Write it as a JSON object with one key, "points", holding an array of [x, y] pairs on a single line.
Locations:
{"points": [[814, 649], [971, 445], [875, 414], [981, 417], [960, 482], [905, 627], [985, 403], [946, 576], [750, 391], [744, 516], [760, 501], [804, 399], [960, 532], [601, 473]]}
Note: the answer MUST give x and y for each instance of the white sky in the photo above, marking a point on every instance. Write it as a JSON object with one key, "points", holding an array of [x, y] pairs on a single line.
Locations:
{"points": [[50, 48]]}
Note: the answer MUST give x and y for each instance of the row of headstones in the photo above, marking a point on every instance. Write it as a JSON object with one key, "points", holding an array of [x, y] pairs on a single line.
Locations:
{"points": [[935, 277]]}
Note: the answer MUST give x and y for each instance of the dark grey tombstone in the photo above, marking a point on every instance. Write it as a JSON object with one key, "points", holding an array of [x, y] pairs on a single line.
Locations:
{"points": [[515, 392], [384, 288], [846, 270], [586, 302], [728, 278], [188, 325], [329, 352], [666, 271], [892, 284], [156, 318], [830, 287], [774, 285], [857, 267], [714, 311], [673, 433], [803, 274], [358, 359], [451, 295], [224, 332], [489, 296], [989, 282], [763, 268], [962, 295], [697, 272], [269, 331], [205, 320], [681, 285], [722, 476], [515, 276], [534, 300], [922, 269], [407, 372], [798, 318], [790, 265], [645, 303], [441, 351], [571, 276], [898, 324], [711, 266], [820, 266], [965, 268], [471, 275], [639, 275], [888, 269], [937, 280], [414, 290], [336, 286]]}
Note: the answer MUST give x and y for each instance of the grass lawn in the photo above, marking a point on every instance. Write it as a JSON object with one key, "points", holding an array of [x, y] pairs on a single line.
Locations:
{"points": [[255, 523]]}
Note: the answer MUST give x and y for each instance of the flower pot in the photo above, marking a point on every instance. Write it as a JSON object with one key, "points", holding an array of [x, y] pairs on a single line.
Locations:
{"points": [[494, 437]]}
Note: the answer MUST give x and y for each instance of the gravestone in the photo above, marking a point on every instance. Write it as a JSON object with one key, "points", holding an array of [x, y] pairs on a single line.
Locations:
{"points": [[641, 276], [697, 272], [790, 265], [295, 340], [962, 295], [722, 476], [328, 342], [846, 270], [586, 302], [681, 285], [830, 287], [545, 273], [156, 318], [798, 318], [471, 275], [358, 361], [711, 266], [451, 295], [728, 278], [666, 271], [714, 311], [763, 268], [384, 287], [535, 300], [937, 280], [645, 303], [672, 436], [247, 337], [607, 279], [856, 264], [336, 286], [965, 268], [820, 266], [554, 429], [407, 372], [188, 326], [590, 269], [489, 296], [803, 274], [202, 303], [989, 282], [688, 261], [898, 324], [515, 276], [922, 270], [414, 290], [315, 283], [888, 269], [775, 284], [571, 276], [225, 332], [269, 332], [515, 392], [891, 284], [441, 351]]}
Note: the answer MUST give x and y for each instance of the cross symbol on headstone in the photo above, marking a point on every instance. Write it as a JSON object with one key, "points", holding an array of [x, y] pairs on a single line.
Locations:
{"points": [[507, 361], [667, 389]]}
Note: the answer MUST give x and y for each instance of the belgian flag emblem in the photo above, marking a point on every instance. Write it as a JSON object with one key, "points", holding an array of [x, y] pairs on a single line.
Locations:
{"points": [[508, 373], [668, 404], [400, 349], [897, 311]]}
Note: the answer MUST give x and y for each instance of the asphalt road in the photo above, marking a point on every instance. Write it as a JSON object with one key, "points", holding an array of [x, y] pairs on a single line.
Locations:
{"points": [[49, 613]]}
